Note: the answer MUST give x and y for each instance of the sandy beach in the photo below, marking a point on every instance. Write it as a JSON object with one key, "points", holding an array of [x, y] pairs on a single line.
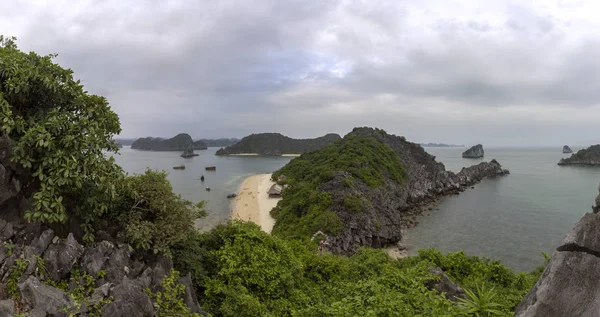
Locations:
{"points": [[252, 202]]}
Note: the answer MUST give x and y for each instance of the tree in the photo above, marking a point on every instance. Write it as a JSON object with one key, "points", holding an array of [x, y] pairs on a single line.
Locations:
{"points": [[61, 133]]}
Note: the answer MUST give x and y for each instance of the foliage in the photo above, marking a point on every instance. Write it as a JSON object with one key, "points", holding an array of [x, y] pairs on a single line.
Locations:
{"points": [[480, 303], [9, 247], [354, 204], [364, 157], [246, 272], [16, 271], [40, 267], [270, 143], [154, 218], [59, 132], [83, 289], [170, 302]]}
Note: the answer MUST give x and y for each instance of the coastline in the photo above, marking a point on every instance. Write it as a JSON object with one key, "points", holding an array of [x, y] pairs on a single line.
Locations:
{"points": [[252, 202], [256, 154]]}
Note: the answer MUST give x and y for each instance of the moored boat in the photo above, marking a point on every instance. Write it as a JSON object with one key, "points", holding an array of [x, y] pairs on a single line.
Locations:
{"points": [[180, 167], [207, 189], [232, 195], [211, 168]]}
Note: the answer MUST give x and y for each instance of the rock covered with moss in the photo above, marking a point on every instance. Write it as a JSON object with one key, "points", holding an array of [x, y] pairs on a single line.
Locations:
{"points": [[363, 189], [589, 156], [276, 144]]}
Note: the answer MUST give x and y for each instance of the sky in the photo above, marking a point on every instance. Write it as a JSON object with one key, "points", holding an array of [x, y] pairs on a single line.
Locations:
{"points": [[501, 73]]}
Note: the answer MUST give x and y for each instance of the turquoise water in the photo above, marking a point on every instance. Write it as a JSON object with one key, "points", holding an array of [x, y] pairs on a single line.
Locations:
{"points": [[512, 218], [231, 172]]}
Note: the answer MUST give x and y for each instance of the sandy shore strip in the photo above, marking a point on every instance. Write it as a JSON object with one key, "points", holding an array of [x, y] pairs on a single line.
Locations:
{"points": [[256, 154], [253, 203]]}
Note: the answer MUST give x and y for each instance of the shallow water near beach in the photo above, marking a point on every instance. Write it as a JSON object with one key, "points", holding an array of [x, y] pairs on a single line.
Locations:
{"points": [[512, 218]]}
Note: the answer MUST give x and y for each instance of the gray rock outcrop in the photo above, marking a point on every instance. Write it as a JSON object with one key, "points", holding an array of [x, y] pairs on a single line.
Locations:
{"points": [[567, 149], [444, 285], [570, 283], [589, 156], [474, 152]]}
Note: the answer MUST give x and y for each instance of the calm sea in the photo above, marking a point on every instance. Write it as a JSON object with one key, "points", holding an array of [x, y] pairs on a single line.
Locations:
{"points": [[512, 218]]}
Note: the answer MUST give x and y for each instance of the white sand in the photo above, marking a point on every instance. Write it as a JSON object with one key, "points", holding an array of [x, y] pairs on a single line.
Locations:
{"points": [[253, 203]]}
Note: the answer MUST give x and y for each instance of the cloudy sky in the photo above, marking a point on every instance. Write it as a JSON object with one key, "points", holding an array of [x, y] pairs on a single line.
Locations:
{"points": [[496, 72]]}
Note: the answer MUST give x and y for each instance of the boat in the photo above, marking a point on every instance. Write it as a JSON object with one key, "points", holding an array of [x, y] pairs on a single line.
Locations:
{"points": [[180, 167], [202, 178], [207, 189], [232, 195], [211, 168]]}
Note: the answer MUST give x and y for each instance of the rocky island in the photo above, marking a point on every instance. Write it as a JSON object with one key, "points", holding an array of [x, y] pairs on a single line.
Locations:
{"points": [[589, 156], [474, 152], [567, 149], [222, 142], [189, 152], [570, 283], [276, 144], [364, 189], [179, 142]]}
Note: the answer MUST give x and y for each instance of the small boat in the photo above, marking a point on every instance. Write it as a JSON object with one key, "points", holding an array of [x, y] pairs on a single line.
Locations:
{"points": [[207, 189], [202, 178], [180, 167], [211, 168], [232, 195]]}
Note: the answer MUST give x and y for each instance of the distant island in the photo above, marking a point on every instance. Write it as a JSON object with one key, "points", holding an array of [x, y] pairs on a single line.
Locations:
{"points": [[222, 142], [276, 144], [474, 152], [180, 142], [589, 156], [567, 149], [441, 145], [123, 142]]}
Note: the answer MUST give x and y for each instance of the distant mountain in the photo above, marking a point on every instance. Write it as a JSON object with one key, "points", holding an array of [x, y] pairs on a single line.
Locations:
{"points": [[179, 142], [125, 141], [222, 142], [440, 145], [275, 144]]}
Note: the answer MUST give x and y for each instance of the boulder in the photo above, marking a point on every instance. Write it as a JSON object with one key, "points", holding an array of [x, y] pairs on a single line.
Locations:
{"points": [[474, 152], [570, 283], [189, 297], [7, 308], [130, 301], [43, 297], [61, 257], [567, 149], [6, 230], [445, 285]]}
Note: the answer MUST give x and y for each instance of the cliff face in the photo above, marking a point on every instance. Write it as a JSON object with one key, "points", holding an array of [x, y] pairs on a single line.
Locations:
{"points": [[567, 149], [589, 156], [570, 284], [385, 209], [474, 152], [274, 144], [179, 142]]}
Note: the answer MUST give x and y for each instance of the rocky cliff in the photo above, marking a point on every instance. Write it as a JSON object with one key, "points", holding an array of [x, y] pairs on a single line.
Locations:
{"points": [[589, 156], [274, 144], [374, 195], [570, 284], [567, 149], [474, 152], [44, 275], [179, 142]]}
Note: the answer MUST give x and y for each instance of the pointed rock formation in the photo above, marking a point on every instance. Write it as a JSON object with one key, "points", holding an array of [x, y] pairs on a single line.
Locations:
{"points": [[567, 149], [474, 152]]}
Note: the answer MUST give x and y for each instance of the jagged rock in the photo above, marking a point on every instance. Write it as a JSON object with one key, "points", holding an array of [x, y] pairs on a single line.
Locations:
{"points": [[589, 156], [189, 297], [445, 285], [95, 257], [40, 243], [6, 230], [43, 297], [189, 152], [61, 257], [116, 265], [101, 293], [597, 207], [276, 144], [130, 301], [570, 283], [567, 149], [474, 152], [7, 308]]}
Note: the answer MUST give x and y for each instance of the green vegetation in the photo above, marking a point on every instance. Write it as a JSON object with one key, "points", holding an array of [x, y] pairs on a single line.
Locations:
{"points": [[170, 302], [16, 271], [243, 271], [354, 204], [277, 144]]}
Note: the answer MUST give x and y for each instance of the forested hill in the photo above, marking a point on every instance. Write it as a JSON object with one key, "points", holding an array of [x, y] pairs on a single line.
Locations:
{"points": [[275, 144], [219, 142], [179, 142]]}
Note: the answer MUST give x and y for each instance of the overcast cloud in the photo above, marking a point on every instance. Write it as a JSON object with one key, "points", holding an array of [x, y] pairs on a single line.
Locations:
{"points": [[496, 72]]}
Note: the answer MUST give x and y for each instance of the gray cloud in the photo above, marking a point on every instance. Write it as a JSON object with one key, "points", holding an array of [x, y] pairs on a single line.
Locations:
{"points": [[503, 72]]}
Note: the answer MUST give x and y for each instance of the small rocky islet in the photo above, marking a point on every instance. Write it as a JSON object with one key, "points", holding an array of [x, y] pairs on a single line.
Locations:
{"points": [[589, 156], [567, 149], [474, 152]]}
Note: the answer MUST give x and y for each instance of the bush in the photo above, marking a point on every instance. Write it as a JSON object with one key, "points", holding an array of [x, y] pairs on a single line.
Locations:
{"points": [[354, 204]]}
